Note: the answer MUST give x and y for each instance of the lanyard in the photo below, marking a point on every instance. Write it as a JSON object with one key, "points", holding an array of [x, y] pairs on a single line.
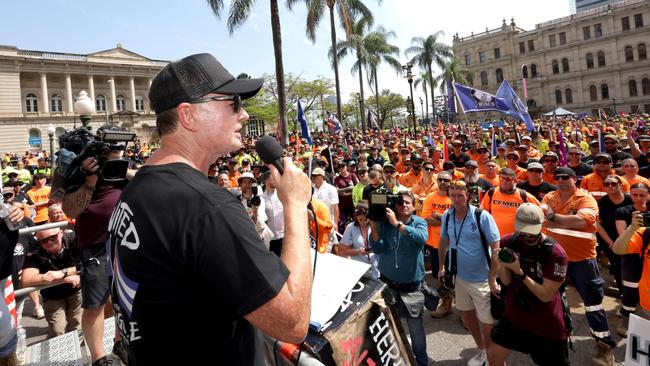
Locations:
{"points": [[460, 231]]}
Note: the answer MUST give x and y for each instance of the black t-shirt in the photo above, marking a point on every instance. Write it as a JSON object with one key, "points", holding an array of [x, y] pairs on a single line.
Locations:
{"points": [[625, 214], [581, 170], [460, 160], [44, 262], [619, 156], [24, 245], [606, 210], [372, 161], [178, 242], [23, 198], [8, 241], [538, 191], [367, 190]]}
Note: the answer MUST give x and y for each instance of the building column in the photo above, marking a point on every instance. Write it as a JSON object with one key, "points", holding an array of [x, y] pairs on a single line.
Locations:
{"points": [[148, 108], [111, 85], [68, 93], [45, 99], [91, 88], [132, 90]]}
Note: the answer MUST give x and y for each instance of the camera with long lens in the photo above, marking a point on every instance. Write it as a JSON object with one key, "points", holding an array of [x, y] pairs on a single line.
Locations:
{"points": [[79, 144], [506, 255], [379, 201]]}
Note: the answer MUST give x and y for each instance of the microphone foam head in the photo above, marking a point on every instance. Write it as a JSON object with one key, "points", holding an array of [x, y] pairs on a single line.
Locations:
{"points": [[268, 149]]}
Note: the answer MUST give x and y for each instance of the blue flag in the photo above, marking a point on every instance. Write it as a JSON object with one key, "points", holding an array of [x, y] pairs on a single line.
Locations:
{"points": [[451, 106], [514, 106], [494, 143], [303, 124], [475, 100]]}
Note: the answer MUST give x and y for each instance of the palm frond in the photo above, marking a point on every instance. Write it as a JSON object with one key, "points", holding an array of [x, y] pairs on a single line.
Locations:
{"points": [[216, 6], [239, 11]]}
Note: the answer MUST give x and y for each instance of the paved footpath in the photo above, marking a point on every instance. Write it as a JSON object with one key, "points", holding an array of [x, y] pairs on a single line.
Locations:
{"points": [[448, 343]]}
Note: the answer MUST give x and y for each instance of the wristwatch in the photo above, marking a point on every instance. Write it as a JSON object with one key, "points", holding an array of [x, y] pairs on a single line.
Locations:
{"points": [[65, 272], [520, 277]]}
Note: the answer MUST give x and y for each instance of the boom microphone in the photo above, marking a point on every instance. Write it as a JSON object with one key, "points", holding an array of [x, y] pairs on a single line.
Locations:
{"points": [[270, 151]]}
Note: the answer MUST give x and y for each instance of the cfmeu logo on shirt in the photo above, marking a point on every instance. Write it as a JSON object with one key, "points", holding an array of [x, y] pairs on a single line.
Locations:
{"points": [[121, 226]]}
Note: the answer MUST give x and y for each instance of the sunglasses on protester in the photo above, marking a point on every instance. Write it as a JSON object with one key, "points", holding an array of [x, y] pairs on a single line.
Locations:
{"points": [[236, 99], [506, 178], [610, 184], [601, 162], [562, 177], [49, 240], [428, 169]]}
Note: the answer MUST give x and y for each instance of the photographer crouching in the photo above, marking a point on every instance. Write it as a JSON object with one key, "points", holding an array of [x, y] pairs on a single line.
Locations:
{"points": [[398, 241], [532, 268]]}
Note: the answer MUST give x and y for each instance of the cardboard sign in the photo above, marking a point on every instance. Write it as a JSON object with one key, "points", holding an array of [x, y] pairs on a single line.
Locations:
{"points": [[637, 352]]}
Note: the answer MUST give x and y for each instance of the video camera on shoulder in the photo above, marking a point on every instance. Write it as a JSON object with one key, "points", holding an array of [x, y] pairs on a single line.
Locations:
{"points": [[379, 201], [80, 144]]}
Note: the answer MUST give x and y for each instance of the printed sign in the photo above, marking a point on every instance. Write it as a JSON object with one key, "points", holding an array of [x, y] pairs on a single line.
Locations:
{"points": [[637, 352]]}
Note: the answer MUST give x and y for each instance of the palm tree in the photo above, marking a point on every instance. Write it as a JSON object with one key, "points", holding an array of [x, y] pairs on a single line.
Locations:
{"points": [[452, 70], [378, 51], [423, 79], [239, 12], [347, 10], [426, 52]]}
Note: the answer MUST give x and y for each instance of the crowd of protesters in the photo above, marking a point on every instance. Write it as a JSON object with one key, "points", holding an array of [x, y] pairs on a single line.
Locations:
{"points": [[465, 193]]}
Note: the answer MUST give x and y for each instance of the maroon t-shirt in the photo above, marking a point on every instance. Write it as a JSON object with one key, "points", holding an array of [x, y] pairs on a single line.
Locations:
{"points": [[545, 319], [92, 224]]}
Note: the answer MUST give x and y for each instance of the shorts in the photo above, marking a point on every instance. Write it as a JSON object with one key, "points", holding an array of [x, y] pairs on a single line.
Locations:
{"points": [[474, 296], [96, 281], [543, 351]]}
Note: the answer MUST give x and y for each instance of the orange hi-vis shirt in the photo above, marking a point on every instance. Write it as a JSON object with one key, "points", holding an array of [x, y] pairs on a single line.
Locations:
{"points": [[549, 178], [434, 203], [579, 244], [473, 156], [503, 208], [520, 174], [458, 175], [595, 185], [493, 181], [634, 247], [400, 167], [38, 196], [637, 179], [421, 189], [233, 180], [324, 220], [409, 179]]}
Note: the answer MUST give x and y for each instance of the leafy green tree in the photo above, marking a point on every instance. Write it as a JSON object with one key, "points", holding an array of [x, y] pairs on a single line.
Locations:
{"points": [[452, 70], [239, 12], [392, 107], [428, 51]]}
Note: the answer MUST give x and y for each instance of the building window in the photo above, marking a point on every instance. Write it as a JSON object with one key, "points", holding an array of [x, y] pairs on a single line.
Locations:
{"points": [[632, 87], [590, 61], [604, 91], [568, 95], [481, 56], [499, 74], [533, 71], [625, 23], [470, 78], [598, 30], [531, 45], [634, 109], [558, 96], [121, 103], [586, 33], [468, 60], [484, 78], [638, 20], [642, 54], [139, 104], [522, 48], [551, 40], [645, 86], [629, 54], [31, 103], [593, 93], [562, 38], [57, 106], [565, 65], [35, 138], [100, 103], [556, 67], [497, 53], [601, 59], [524, 72]]}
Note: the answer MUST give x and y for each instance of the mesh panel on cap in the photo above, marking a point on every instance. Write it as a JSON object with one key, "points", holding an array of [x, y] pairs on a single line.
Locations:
{"points": [[192, 78]]}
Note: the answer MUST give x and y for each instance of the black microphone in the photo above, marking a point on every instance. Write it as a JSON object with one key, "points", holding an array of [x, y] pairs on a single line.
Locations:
{"points": [[270, 151]]}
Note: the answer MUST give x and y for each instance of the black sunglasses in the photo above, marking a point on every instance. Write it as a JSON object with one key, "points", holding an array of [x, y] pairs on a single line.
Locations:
{"points": [[236, 99], [562, 177], [428, 169]]}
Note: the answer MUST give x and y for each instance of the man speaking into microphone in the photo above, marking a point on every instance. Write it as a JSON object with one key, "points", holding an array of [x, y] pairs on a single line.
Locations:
{"points": [[180, 241]]}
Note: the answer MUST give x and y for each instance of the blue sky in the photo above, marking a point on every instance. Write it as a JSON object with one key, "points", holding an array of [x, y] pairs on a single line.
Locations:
{"points": [[170, 30]]}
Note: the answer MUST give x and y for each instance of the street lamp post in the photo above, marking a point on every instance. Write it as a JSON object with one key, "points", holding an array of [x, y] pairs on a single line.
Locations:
{"points": [[614, 100], [363, 126], [50, 132], [422, 108], [84, 106], [409, 77]]}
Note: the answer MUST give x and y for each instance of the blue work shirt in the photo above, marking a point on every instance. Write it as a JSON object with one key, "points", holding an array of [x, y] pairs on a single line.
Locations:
{"points": [[471, 262], [400, 255]]}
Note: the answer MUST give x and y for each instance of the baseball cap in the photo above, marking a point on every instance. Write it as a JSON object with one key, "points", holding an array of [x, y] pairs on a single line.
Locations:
{"points": [[318, 171], [522, 147], [246, 175], [529, 219], [507, 172], [471, 163], [604, 156], [194, 76], [644, 138], [564, 171], [526, 138], [535, 165], [610, 136]]}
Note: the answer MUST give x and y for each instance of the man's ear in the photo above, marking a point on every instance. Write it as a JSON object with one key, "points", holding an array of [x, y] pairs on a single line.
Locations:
{"points": [[186, 117]]}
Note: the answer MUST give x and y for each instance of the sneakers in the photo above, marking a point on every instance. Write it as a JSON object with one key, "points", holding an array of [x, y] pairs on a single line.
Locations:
{"points": [[480, 359], [120, 354], [605, 355], [444, 308], [104, 361], [621, 328], [38, 312]]}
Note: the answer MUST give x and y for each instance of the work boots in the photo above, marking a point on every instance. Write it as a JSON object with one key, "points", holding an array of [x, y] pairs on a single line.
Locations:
{"points": [[444, 308], [605, 355]]}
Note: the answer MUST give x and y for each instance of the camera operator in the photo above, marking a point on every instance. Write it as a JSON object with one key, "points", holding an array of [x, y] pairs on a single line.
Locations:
{"points": [[532, 268], [91, 205], [398, 241]]}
